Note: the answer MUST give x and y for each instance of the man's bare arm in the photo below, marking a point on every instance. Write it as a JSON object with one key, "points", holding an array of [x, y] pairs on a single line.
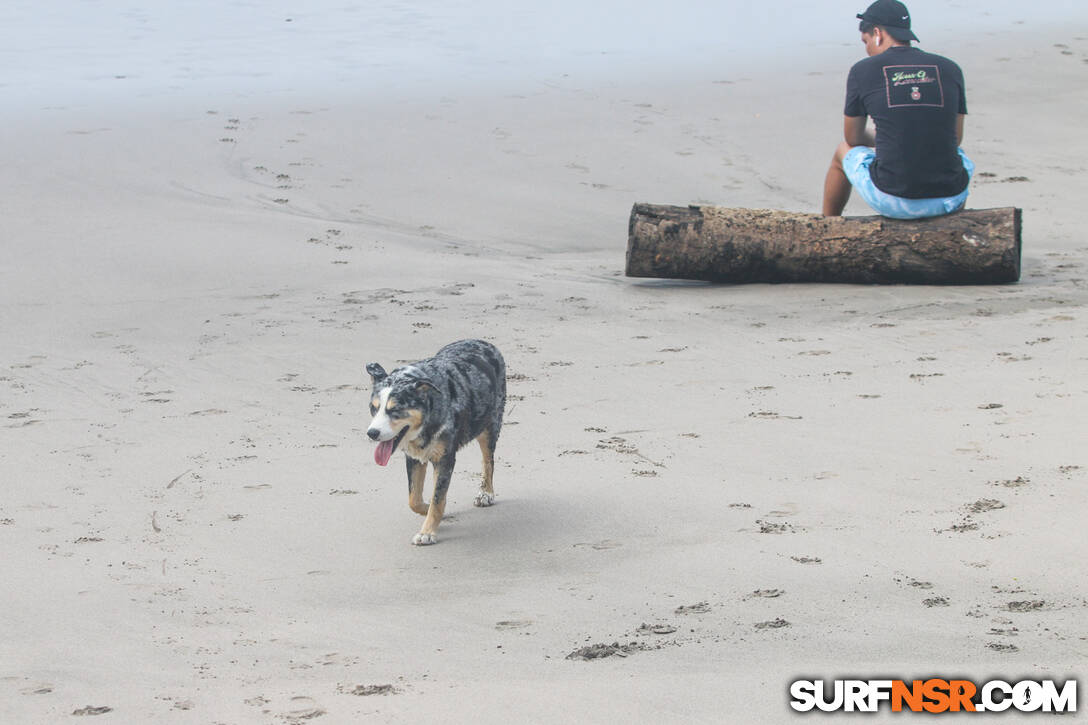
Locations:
{"points": [[854, 131], [857, 135]]}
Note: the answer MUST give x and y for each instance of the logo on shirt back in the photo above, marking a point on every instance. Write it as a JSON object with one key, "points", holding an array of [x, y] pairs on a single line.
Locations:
{"points": [[913, 85]]}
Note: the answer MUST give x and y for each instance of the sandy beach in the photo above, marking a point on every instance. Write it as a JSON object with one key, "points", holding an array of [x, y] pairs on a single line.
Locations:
{"points": [[738, 486]]}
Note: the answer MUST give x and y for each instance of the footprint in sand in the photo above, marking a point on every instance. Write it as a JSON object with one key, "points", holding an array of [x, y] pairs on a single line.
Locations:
{"points": [[598, 545], [772, 527], [1002, 647], [777, 623], [985, 504], [508, 624], [92, 710], [369, 690], [40, 688], [303, 709], [697, 608], [1012, 482], [1032, 605]]}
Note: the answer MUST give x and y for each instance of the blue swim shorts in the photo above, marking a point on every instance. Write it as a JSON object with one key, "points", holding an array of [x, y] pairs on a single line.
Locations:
{"points": [[856, 165]]}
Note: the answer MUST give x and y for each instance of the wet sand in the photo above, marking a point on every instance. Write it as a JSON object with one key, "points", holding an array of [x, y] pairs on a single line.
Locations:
{"points": [[704, 492]]}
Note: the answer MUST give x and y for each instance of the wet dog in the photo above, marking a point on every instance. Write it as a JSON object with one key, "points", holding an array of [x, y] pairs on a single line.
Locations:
{"points": [[430, 410]]}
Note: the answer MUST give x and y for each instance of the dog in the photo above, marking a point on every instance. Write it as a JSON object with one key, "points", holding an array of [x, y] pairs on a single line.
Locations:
{"points": [[431, 409]]}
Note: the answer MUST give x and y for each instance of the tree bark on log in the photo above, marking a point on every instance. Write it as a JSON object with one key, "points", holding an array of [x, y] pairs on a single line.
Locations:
{"points": [[717, 244]]}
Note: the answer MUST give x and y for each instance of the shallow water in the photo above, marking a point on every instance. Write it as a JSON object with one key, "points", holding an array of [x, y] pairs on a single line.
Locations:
{"points": [[103, 52]]}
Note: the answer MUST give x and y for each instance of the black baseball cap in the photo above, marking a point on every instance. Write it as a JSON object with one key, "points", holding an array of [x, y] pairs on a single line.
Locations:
{"points": [[891, 15]]}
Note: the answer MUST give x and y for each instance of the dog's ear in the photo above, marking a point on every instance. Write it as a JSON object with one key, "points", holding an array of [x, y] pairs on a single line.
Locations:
{"points": [[377, 373], [423, 385]]}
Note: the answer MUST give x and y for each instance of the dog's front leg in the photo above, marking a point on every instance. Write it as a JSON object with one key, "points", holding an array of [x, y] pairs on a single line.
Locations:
{"points": [[417, 476], [443, 472]]}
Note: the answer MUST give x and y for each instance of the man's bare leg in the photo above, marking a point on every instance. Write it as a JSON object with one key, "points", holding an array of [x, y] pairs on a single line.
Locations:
{"points": [[836, 186]]}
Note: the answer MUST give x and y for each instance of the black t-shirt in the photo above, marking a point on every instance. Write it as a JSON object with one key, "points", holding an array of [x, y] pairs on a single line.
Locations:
{"points": [[914, 98]]}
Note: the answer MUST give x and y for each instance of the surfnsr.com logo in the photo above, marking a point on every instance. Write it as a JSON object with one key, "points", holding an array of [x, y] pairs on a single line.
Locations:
{"points": [[933, 695]]}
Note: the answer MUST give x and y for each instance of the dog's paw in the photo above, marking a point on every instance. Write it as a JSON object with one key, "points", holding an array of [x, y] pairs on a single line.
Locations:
{"points": [[422, 539], [483, 498]]}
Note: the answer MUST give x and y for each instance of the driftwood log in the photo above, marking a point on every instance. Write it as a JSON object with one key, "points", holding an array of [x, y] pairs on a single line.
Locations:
{"points": [[717, 244]]}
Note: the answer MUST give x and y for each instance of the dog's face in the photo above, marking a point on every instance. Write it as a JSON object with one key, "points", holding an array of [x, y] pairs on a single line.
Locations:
{"points": [[398, 404]]}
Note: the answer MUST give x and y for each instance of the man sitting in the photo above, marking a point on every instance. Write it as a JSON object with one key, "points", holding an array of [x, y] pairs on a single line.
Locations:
{"points": [[913, 168]]}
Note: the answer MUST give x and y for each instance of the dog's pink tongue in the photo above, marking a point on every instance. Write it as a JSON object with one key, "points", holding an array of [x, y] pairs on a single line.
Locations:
{"points": [[383, 452]]}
